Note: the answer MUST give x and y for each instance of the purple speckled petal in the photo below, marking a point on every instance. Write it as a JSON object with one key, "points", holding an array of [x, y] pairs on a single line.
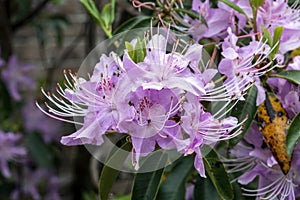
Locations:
{"points": [[142, 147]]}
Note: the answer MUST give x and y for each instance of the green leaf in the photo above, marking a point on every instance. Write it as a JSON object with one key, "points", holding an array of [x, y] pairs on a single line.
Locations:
{"points": [[112, 11], [108, 14], [238, 191], [216, 171], [173, 187], [259, 2], [39, 151], [276, 39], [204, 189], [92, 9], [256, 3], [293, 135], [277, 34], [108, 174], [127, 197], [135, 22], [130, 49], [234, 6], [245, 109], [138, 52], [290, 75], [146, 184], [267, 36], [105, 15]]}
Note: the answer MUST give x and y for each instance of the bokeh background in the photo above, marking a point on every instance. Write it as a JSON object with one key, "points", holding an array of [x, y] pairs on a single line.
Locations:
{"points": [[38, 40]]}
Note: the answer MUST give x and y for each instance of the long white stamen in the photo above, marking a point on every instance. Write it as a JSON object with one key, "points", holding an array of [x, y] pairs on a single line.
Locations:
{"points": [[227, 110], [67, 79], [212, 133], [71, 107], [280, 188], [224, 86], [56, 104], [65, 107], [225, 92], [221, 109], [63, 95], [55, 117]]}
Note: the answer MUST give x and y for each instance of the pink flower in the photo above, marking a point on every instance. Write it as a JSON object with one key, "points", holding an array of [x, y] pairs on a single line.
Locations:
{"points": [[278, 13], [9, 150], [217, 20], [93, 99], [166, 70], [15, 77]]}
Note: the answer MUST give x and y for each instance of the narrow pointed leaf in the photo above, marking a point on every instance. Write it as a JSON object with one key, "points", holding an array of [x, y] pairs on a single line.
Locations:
{"points": [[92, 9], [245, 109], [204, 189], [139, 51], [267, 36], [173, 188], [259, 3], [108, 174], [130, 49], [276, 40], [256, 3], [135, 22], [106, 15], [146, 185], [290, 75], [112, 11], [216, 171], [277, 34], [234, 6], [238, 192], [293, 135]]}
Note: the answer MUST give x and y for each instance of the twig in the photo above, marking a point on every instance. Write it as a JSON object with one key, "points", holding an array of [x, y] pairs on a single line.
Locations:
{"points": [[30, 16], [213, 57]]}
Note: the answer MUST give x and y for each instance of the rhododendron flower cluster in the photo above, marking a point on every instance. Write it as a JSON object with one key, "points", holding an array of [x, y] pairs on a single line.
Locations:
{"points": [[157, 101], [159, 92]]}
